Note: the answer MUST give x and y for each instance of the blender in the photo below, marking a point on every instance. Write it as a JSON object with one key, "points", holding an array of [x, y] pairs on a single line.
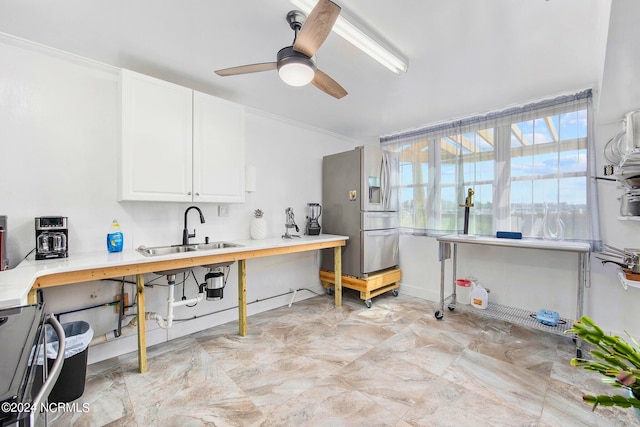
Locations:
{"points": [[314, 211]]}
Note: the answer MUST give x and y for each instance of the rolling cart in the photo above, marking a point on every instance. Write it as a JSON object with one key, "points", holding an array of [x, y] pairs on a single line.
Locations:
{"points": [[512, 314], [372, 286]]}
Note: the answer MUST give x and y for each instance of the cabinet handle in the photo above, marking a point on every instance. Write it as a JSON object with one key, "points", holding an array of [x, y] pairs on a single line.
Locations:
{"points": [[197, 194], [189, 193]]}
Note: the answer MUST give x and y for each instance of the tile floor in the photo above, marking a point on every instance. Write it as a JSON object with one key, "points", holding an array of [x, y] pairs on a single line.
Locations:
{"points": [[317, 365]]}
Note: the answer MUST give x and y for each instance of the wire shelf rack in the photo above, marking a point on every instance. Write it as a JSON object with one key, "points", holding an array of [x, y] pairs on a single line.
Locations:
{"points": [[513, 315]]}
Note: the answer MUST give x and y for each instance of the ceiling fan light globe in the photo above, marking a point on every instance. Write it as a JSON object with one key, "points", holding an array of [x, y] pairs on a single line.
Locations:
{"points": [[295, 68], [296, 74]]}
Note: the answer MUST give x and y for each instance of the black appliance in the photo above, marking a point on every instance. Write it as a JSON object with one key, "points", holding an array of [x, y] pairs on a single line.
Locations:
{"points": [[21, 335], [51, 237], [314, 210]]}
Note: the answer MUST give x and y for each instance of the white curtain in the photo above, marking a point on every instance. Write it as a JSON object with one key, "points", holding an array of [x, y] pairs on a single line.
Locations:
{"points": [[531, 168]]}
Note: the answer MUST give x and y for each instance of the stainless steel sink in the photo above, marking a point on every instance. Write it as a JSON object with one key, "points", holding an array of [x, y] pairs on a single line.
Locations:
{"points": [[176, 249], [214, 245], [164, 250]]}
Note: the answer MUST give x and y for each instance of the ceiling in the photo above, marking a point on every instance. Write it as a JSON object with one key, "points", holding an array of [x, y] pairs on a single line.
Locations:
{"points": [[465, 56]]}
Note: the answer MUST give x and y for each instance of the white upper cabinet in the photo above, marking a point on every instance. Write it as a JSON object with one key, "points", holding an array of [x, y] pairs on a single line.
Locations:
{"points": [[179, 145], [218, 150], [156, 146]]}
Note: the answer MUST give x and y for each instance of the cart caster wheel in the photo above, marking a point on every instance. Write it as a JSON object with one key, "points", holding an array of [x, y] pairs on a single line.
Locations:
{"points": [[439, 315], [368, 303], [451, 307], [329, 291], [394, 292]]}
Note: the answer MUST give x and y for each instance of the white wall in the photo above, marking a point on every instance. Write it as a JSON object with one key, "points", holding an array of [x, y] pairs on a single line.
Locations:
{"points": [[59, 132]]}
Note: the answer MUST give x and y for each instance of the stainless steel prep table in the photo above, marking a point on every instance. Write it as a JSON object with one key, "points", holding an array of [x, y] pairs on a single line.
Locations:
{"points": [[444, 252]]}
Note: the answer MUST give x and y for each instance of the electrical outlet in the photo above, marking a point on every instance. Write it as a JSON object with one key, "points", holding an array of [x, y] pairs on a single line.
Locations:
{"points": [[223, 210]]}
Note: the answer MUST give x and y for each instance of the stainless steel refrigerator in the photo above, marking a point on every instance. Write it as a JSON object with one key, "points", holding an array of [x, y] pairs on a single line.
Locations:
{"points": [[360, 200]]}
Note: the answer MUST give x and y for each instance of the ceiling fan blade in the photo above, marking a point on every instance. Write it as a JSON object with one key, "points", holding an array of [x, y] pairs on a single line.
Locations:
{"points": [[246, 69], [317, 27], [329, 86]]}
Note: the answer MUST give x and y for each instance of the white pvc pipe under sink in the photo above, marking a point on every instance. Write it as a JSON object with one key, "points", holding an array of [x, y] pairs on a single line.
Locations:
{"points": [[162, 323], [171, 303]]}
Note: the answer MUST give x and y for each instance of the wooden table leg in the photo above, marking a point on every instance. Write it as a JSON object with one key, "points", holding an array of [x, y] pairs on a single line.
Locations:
{"points": [[337, 268], [242, 298], [142, 330], [32, 297]]}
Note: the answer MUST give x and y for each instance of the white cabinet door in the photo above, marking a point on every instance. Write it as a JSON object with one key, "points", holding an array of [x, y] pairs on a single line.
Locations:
{"points": [[218, 150], [156, 145]]}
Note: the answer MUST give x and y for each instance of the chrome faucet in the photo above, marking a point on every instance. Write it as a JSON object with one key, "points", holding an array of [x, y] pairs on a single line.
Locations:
{"points": [[185, 232]]}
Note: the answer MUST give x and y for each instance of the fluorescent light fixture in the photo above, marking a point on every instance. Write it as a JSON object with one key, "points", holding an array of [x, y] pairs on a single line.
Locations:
{"points": [[364, 39]]}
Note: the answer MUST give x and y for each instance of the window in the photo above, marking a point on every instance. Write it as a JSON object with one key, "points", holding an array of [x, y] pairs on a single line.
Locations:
{"points": [[529, 169]]}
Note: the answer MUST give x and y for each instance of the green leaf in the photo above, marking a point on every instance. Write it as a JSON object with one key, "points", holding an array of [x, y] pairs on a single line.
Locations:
{"points": [[591, 339], [576, 329], [613, 360], [599, 355], [598, 330], [616, 400], [623, 347], [587, 321]]}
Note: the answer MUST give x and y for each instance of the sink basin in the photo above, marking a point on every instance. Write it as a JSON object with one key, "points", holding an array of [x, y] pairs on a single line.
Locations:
{"points": [[164, 250], [176, 249], [213, 245]]}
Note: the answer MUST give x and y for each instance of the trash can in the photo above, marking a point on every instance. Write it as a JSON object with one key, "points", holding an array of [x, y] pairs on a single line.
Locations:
{"points": [[70, 383]]}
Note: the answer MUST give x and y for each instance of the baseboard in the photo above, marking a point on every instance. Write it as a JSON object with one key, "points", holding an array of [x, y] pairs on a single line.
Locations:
{"points": [[418, 292], [155, 335]]}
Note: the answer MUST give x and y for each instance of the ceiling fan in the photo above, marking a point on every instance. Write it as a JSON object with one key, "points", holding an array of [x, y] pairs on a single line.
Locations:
{"points": [[296, 64]]}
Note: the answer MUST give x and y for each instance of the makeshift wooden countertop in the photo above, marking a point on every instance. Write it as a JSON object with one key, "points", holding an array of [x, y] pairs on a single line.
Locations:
{"points": [[18, 286]]}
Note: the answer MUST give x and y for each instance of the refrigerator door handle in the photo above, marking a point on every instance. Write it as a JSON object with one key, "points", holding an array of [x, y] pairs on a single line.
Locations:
{"points": [[382, 232], [380, 214], [391, 174], [387, 182], [384, 182]]}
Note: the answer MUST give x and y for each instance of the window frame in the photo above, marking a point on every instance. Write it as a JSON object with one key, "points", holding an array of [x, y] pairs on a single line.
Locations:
{"points": [[502, 124]]}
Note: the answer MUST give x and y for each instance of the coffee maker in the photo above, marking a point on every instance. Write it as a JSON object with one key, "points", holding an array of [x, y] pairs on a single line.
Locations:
{"points": [[51, 237], [314, 211]]}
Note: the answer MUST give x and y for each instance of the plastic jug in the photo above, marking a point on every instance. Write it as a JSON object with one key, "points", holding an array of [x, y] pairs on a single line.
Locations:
{"points": [[115, 238], [463, 291], [479, 297]]}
